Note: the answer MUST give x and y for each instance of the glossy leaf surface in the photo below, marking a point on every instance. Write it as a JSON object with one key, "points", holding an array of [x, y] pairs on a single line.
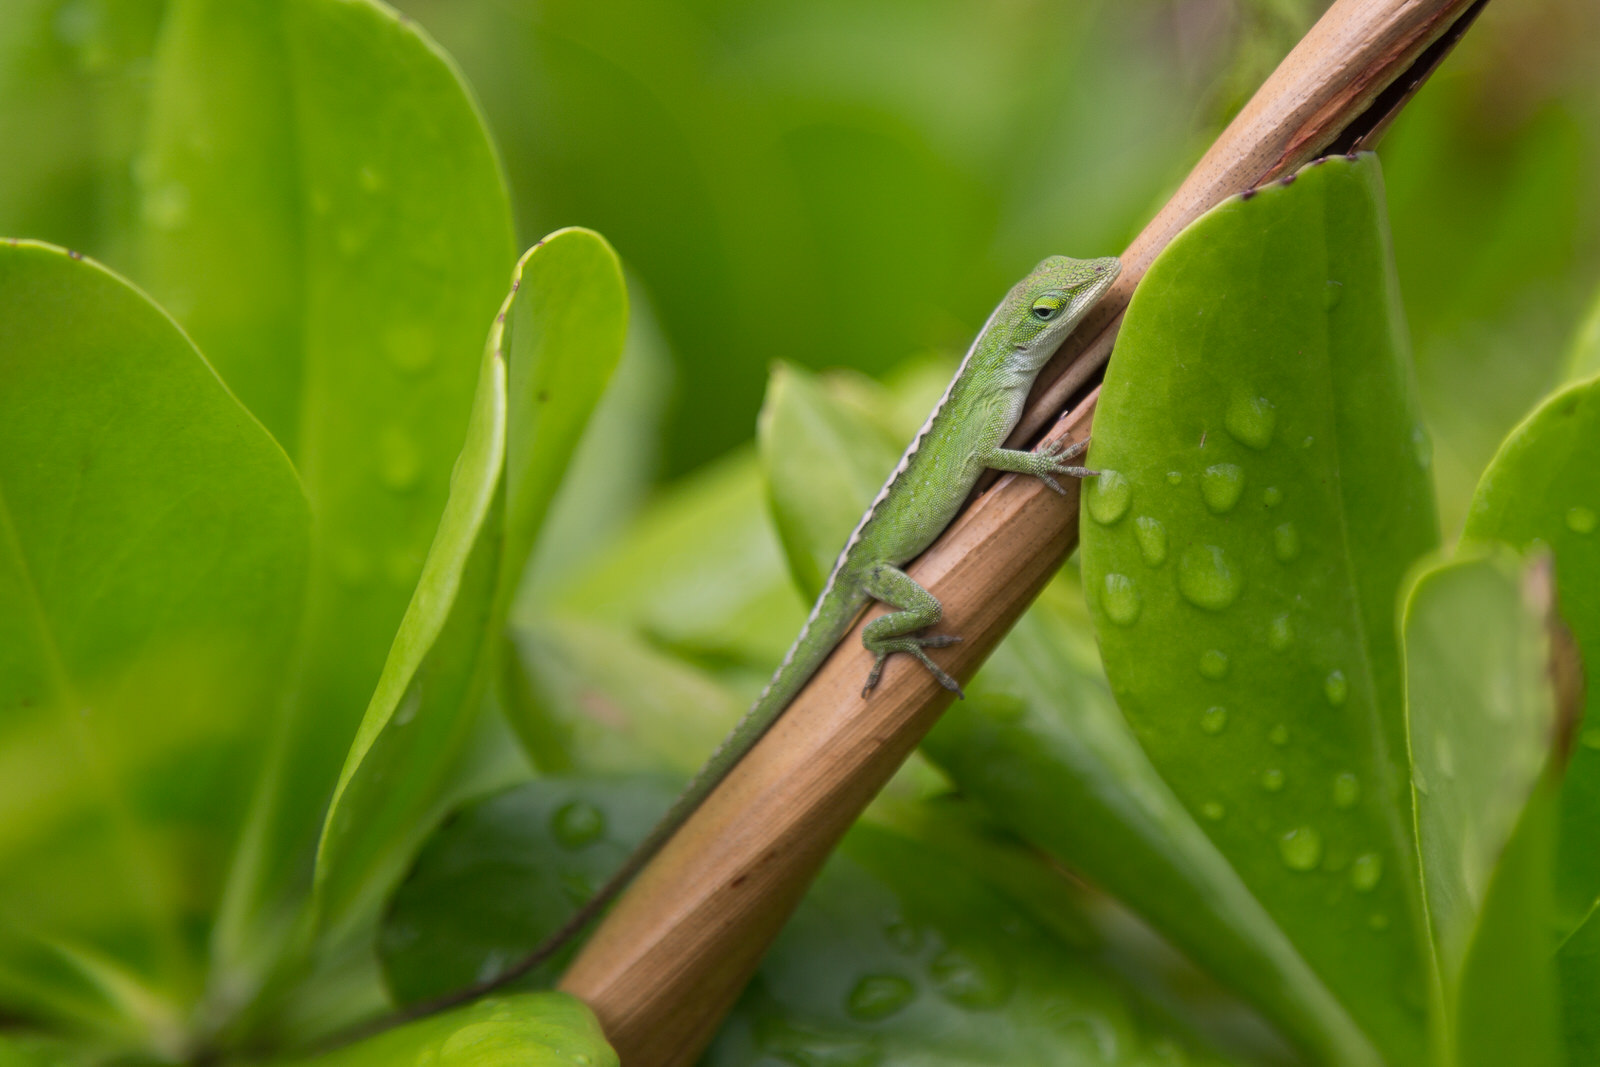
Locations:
{"points": [[550, 352], [1265, 492], [324, 213], [153, 551]]}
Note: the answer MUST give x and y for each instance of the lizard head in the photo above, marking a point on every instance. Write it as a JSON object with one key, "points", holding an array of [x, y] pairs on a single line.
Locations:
{"points": [[1049, 302]]}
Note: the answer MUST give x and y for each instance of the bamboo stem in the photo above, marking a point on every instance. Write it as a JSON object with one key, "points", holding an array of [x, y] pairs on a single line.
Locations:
{"points": [[670, 959]]}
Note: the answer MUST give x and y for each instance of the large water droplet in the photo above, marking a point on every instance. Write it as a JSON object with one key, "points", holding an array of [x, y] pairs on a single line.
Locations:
{"points": [[1174, 477], [1301, 848], [1214, 664], [399, 464], [1280, 633], [1207, 579], [1214, 720], [1120, 599], [1220, 486], [1272, 496], [970, 978], [1250, 420], [1346, 790], [1212, 810], [1152, 538], [1286, 543], [1272, 779], [1279, 735], [903, 936], [1580, 519], [1377, 922], [1365, 871], [1335, 687], [878, 996], [1421, 446], [1109, 496], [577, 823]]}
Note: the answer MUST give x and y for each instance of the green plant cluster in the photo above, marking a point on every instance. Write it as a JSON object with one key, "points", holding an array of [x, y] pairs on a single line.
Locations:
{"points": [[343, 652]]}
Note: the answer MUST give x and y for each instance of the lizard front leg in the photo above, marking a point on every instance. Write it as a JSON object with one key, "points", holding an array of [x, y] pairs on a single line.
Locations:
{"points": [[1044, 464], [916, 609]]}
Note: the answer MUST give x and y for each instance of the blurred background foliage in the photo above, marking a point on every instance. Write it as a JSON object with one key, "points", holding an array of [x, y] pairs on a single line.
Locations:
{"points": [[851, 183]]}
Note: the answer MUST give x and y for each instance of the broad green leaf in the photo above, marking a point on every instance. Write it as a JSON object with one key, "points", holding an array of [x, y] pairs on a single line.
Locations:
{"points": [[1041, 744], [503, 873], [1578, 970], [1481, 719], [1039, 740], [551, 350], [153, 553], [1264, 493], [325, 215], [1543, 489], [524, 1030]]}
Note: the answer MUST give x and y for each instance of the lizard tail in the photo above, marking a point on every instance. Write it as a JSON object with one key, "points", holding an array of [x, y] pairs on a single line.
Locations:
{"points": [[835, 612]]}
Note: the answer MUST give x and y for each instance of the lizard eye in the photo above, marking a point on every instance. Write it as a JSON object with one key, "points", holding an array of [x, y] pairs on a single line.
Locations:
{"points": [[1045, 310]]}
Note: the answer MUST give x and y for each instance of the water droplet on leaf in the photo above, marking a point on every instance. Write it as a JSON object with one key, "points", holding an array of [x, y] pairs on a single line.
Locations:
{"points": [[1301, 848], [1220, 486], [577, 823], [1250, 420], [1214, 720], [970, 978], [1280, 634], [1212, 810], [1152, 538], [878, 996], [399, 464], [1120, 599], [1272, 496], [1109, 496], [1207, 579], [1346, 790], [1286, 543], [1336, 688], [1279, 735], [1272, 779], [1365, 871], [1580, 520], [1214, 663], [1422, 446]]}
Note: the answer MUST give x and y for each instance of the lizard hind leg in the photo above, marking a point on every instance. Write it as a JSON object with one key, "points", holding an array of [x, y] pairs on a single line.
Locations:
{"points": [[915, 609]]}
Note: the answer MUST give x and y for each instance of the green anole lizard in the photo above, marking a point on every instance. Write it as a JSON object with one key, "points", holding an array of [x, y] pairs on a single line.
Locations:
{"points": [[962, 438]]}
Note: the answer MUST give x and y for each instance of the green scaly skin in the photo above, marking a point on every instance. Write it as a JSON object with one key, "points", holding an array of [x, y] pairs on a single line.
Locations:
{"points": [[961, 439]]}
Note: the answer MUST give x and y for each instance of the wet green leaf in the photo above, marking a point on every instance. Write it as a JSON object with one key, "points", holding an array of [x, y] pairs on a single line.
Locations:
{"points": [[525, 1030], [549, 355], [1543, 491], [1584, 362], [324, 213], [153, 552], [1266, 490], [506, 871]]}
